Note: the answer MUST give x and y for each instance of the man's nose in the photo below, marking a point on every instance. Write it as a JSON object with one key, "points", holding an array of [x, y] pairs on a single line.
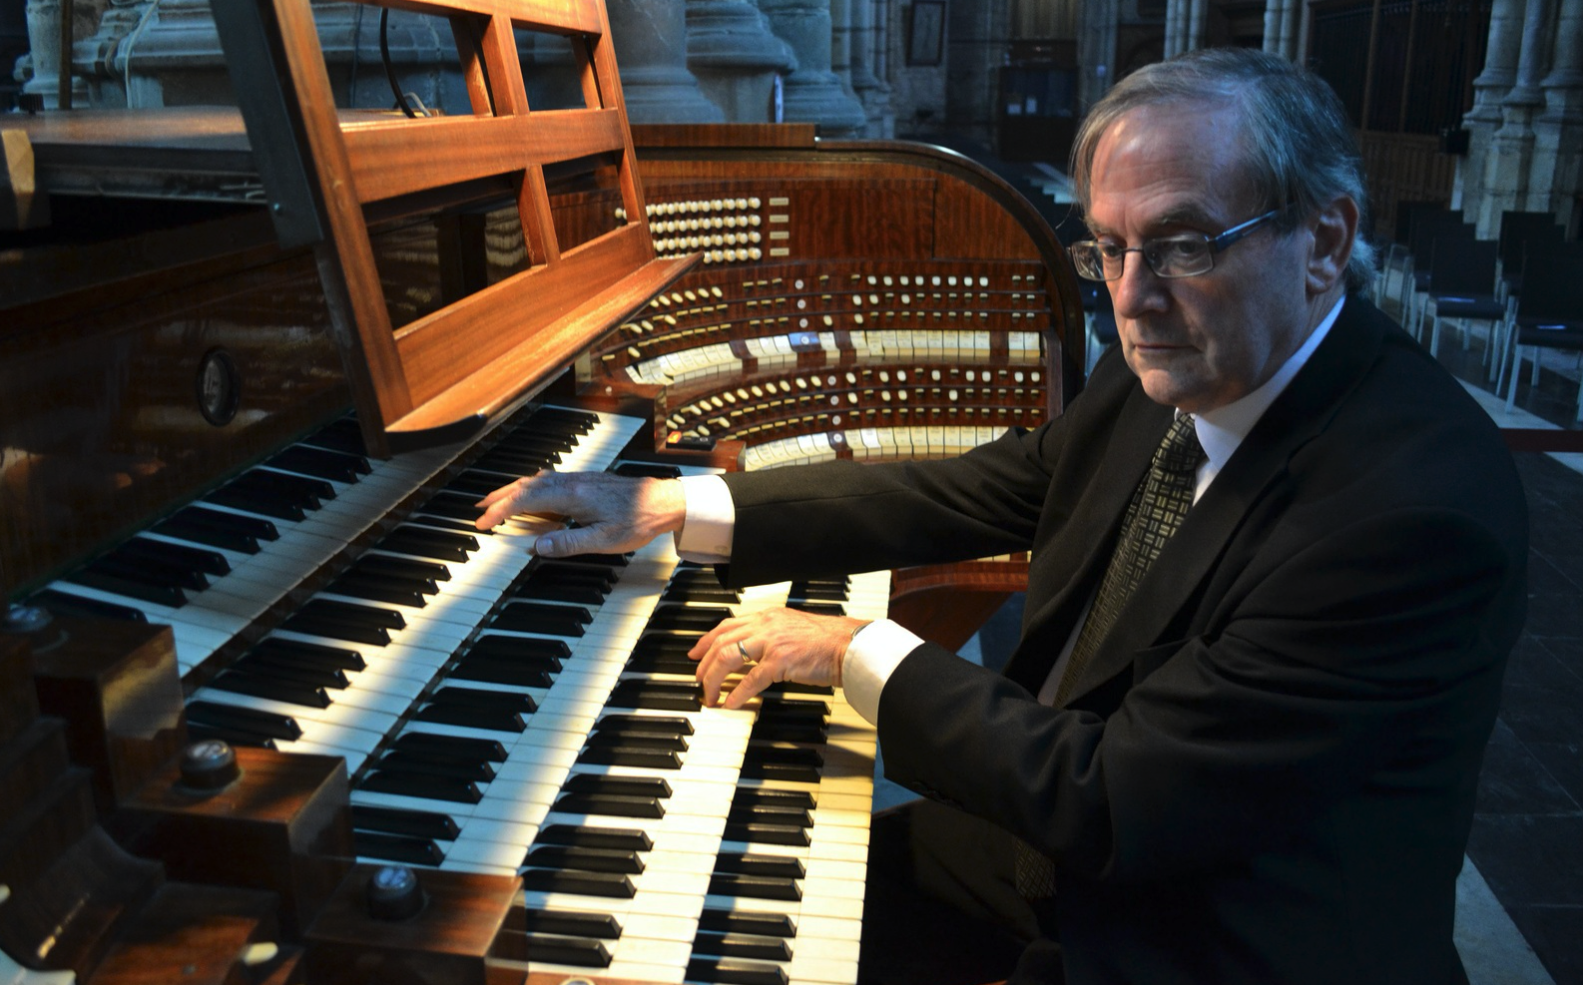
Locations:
{"points": [[1138, 290]]}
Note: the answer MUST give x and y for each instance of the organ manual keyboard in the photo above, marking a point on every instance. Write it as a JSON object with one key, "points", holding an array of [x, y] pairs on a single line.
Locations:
{"points": [[218, 524]]}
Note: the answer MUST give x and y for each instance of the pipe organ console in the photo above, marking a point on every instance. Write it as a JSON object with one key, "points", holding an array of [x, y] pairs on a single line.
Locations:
{"points": [[271, 711]]}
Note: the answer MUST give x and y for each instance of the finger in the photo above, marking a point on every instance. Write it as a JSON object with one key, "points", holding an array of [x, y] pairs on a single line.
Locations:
{"points": [[722, 660], [500, 504], [757, 678], [723, 627]]}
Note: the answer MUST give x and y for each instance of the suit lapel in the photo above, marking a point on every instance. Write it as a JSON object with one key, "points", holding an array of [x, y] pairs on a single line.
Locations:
{"points": [[1299, 414]]}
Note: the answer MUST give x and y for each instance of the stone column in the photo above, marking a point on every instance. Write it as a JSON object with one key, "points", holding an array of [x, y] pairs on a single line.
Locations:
{"points": [[651, 48], [1280, 28], [841, 41], [43, 33], [1197, 13], [870, 91], [1511, 151], [735, 56], [975, 50], [1096, 57], [881, 55], [1554, 183], [813, 93], [1175, 18], [1491, 86]]}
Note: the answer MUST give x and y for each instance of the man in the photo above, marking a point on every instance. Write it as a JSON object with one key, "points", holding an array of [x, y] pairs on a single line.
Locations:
{"points": [[1260, 766]]}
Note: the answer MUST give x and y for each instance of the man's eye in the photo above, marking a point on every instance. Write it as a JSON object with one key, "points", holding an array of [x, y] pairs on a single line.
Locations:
{"points": [[1182, 249], [1111, 251]]}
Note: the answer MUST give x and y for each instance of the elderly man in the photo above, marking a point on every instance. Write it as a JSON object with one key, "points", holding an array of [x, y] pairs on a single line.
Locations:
{"points": [[1278, 562]]}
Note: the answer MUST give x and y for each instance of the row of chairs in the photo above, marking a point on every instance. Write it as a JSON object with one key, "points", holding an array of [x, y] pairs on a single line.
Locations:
{"points": [[1527, 285]]}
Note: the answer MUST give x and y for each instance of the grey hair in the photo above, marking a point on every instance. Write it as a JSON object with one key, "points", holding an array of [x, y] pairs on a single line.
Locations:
{"points": [[1299, 148]]}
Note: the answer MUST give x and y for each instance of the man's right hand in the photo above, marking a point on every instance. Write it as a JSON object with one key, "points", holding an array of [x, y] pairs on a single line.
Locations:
{"points": [[614, 514]]}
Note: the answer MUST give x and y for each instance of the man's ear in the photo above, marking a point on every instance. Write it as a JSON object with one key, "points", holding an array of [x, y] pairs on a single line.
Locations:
{"points": [[1334, 228]]}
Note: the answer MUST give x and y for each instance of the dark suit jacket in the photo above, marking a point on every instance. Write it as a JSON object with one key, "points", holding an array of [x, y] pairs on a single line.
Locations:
{"points": [[1266, 773]]}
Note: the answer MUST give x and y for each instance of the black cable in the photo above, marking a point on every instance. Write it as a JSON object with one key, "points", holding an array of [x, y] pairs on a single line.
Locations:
{"points": [[390, 72]]}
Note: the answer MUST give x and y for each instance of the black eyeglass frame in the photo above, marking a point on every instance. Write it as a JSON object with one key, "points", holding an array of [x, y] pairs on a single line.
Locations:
{"points": [[1215, 245]]}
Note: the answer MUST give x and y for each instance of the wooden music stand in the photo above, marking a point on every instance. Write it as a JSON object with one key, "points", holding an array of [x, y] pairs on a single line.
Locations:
{"points": [[445, 376]]}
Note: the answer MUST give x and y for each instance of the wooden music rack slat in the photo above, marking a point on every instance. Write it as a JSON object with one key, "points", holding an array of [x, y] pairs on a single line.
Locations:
{"points": [[443, 377]]}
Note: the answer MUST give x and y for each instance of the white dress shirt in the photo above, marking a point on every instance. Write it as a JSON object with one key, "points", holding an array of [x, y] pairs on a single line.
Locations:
{"points": [[874, 653]]}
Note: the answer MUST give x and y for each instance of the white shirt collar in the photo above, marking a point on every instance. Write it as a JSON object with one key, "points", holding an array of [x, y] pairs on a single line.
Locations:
{"points": [[1222, 430]]}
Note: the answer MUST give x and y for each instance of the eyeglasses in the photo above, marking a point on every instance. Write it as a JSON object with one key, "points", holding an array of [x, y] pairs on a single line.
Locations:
{"points": [[1172, 256]]}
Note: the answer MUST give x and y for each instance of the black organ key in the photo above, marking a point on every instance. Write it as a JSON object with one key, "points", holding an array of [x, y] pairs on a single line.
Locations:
{"points": [[453, 505], [307, 492], [321, 463], [67, 604], [442, 545], [584, 859], [246, 720], [487, 719], [609, 805], [768, 834], [792, 687], [754, 922], [699, 593], [589, 836], [396, 848], [617, 786], [318, 618], [690, 618], [567, 950], [636, 757], [398, 821], [817, 608], [612, 884], [542, 617], [452, 745], [253, 500], [487, 671], [544, 654], [149, 571], [638, 740], [290, 692], [421, 785], [644, 724], [471, 697], [446, 523], [571, 923], [108, 579], [177, 555], [818, 591], [477, 771], [402, 567], [479, 484], [741, 946], [734, 971], [754, 887], [813, 732], [791, 816], [648, 470], [770, 797], [314, 654], [607, 560], [784, 754], [662, 663], [772, 866], [793, 709], [661, 695], [218, 528], [290, 669], [376, 589]]}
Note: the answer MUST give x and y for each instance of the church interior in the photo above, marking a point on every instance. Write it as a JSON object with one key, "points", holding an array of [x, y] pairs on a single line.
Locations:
{"points": [[736, 234]]}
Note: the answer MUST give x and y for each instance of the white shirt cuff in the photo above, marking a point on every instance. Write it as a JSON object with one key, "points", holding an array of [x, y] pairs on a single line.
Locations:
{"points": [[871, 658], [705, 536]]}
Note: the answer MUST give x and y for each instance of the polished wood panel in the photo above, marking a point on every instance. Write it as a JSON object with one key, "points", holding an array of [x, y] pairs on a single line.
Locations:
{"points": [[284, 825], [447, 943], [948, 603], [116, 685]]}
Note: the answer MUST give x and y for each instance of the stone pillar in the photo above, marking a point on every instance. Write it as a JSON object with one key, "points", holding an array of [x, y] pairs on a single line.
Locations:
{"points": [[881, 55], [1096, 57], [43, 33], [651, 48], [1175, 18], [1197, 13], [870, 91], [812, 93], [1280, 28], [841, 41], [735, 57], [1491, 86], [1511, 152], [1554, 184]]}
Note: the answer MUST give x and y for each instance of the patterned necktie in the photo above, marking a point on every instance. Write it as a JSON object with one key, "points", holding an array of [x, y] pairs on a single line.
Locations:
{"points": [[1157, 510]]}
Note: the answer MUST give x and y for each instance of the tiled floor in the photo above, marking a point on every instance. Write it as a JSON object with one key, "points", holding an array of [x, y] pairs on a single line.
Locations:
{"points": [[1527, 838]]}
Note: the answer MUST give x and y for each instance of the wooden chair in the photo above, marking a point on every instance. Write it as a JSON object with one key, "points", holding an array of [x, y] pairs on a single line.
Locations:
{"points": [[446, 375]]}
